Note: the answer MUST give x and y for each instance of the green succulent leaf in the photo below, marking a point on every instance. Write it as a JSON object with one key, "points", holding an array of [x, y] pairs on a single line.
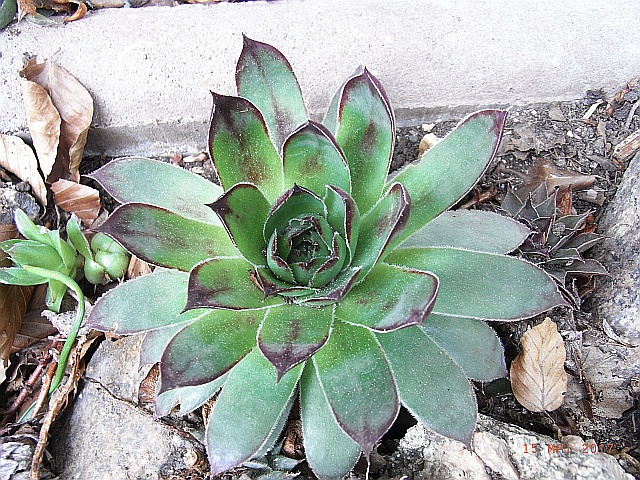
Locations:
{"points": [[221, 339], [154, 343], [344, 217], [584, 241], [294, 203], [173, 188], [483, 285], [145, 303], [313, 160], [389, 298], [240, 146], [164, 238], [471, 343], [225, 282], [30, 230], [249, 406], [77, 239], [270, 285], [290, 334], [420, 367], [66, 251], [265, 77], [331, 453], [32, 252], [447, 171], [358, 384], [243, 210], [334, 292], [472, 230], [379, 226], [19, 276], [362, 122], [55, 294], [189, 398]]}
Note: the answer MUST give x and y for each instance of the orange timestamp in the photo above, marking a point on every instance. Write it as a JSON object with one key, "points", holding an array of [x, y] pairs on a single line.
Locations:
{"points": [[562, 448]]}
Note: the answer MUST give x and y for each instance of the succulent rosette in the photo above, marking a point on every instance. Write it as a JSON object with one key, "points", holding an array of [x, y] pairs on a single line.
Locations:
{"points": [[310, 272]]}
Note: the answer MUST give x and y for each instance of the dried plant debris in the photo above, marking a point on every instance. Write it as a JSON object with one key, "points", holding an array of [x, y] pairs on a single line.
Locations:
{"points": [[73, 197], [538, 378], [18, 158], [59, 111]]}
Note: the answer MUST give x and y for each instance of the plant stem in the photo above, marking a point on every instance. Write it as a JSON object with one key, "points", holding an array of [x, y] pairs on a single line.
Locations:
{"points": [[68, 344]]}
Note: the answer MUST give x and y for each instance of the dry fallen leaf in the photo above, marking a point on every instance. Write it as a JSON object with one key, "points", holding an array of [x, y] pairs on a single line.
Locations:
{"points": [[76, 198], [13, 301], [26, 7], [34, 326], [18, 158], [59, 111], [544, 171], [538, 378]]}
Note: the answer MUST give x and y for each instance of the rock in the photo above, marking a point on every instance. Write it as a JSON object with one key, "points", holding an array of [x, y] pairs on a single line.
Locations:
{"points": [[506, 451], [556, 114], [106, 435], [11, 198], [617, 299]]}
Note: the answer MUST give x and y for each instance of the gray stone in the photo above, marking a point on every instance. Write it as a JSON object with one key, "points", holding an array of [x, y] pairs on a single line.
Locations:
{"points": [[150, 70], [106, 436], [617, 298], [506, 450]]}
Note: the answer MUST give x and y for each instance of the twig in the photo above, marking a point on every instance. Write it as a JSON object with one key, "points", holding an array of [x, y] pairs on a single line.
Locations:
{"points": [[26, 389], [44, 391], [57, 404], [632, 112]]}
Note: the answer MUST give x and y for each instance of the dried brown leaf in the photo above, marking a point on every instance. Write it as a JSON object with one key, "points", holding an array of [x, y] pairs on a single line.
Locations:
{"points": [[34, 326], [627, 147], [13, 302], [26, 7], [544, 171], [538, 378], [53, 97], [76, 198], [138, 268], [18, 158]]}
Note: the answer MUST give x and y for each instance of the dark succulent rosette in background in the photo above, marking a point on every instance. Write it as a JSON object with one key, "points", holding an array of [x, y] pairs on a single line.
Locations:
{"points": [[310, 272]]}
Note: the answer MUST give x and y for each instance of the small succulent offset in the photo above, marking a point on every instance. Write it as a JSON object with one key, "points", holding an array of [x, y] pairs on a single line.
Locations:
{"points": [[558, 241], [44, 257], [44, 250], [309, 272]]}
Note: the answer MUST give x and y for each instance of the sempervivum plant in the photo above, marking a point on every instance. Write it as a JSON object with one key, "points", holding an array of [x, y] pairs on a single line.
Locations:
{"points": [[558, 241], [309, 272]]}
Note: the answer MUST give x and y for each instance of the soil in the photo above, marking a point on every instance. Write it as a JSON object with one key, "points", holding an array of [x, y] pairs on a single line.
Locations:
{"points": [[574, 136]]}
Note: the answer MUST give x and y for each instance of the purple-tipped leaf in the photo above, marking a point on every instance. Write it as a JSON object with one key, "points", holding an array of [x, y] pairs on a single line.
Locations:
{"points": [[358, 383], [362, 122], [483, 285], [164, 238], [333, 292], [295, 202], [265, 77], [290, 334], [390, 298], [379, 226], [225, 282], [447, 171], [209, 347], [243, 211], [172, 188], [312, 159], [344, 217], [240, 146]]}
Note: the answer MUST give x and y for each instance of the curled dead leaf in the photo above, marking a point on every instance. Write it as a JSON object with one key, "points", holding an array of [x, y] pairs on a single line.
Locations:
{"points": [[76, 198], [538, 378], [18, 158], [13, 301], [59, 111]]}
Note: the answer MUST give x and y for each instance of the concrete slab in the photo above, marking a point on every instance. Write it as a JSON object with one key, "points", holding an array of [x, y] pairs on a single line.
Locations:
{"points": [[149, 70]]}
